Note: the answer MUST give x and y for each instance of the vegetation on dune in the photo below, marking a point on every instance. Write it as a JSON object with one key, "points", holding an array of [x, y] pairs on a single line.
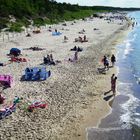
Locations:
{"points": [[42, 12]]}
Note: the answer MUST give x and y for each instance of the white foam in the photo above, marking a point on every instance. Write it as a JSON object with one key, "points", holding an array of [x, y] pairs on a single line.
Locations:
{"points": [[129, 108], [128, 45], [137, 114], [128, 49]]}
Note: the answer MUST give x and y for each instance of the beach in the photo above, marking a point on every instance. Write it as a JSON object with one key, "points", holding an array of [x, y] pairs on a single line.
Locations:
{"points": [[74, 91]]}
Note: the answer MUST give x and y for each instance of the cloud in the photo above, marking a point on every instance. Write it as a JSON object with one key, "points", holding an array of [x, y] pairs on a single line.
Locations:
{"points": [[115, 3]]}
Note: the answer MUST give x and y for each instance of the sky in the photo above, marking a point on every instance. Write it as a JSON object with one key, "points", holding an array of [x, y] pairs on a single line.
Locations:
{"points": [[114, 3]]}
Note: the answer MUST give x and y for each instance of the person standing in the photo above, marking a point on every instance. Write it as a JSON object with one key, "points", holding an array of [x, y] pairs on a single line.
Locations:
{"points": [[113, 60], [114, 85], [112, 78]]}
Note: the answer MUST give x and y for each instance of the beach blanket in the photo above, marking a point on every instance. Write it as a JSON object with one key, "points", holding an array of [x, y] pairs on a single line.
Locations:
{"points": [[9, 110]]}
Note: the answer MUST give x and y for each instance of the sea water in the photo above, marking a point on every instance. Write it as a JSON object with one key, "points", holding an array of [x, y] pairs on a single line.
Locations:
{"points": [[126, 106]]}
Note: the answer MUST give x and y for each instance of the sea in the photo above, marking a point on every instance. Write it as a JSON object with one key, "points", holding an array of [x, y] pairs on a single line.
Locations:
{"points": [[125, 107]]}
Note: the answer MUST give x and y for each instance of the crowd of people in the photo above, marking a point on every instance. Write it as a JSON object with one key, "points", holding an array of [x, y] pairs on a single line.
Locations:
{"points": [[49, 60], [105, 61]]}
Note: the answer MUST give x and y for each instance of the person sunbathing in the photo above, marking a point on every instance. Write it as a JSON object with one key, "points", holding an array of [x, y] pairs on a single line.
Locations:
{"points": [[47, 59], [75, 57], [83, 30], [28, 35], [74, 49], [85, 38], [56, 30], [79, 49], [80, 39], [51, 60], [65, 39]]}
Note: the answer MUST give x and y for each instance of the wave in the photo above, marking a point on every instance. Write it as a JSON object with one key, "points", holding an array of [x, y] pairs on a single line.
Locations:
{"points": [[129, 109], [128, 47]]}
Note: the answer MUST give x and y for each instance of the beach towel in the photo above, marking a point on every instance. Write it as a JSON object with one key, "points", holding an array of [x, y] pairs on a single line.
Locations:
{"points": [[56, 33], [5, 112], [10, 109], [37, 104]]}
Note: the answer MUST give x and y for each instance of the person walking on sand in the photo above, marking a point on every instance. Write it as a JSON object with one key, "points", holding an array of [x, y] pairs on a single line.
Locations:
{"points": [[114, 85], [113, 60]]}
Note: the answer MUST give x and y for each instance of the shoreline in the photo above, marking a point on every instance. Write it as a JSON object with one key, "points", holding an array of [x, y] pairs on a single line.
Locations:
{"points": [[115, 69], [74, 98]]}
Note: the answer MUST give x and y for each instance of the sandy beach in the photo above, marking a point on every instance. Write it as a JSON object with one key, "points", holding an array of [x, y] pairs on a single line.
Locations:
{"points": [[74, 91]]}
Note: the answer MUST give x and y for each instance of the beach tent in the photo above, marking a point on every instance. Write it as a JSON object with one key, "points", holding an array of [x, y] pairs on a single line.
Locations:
{"points": [[36, 73], [15, 51], [56, 33], [6, 80]]}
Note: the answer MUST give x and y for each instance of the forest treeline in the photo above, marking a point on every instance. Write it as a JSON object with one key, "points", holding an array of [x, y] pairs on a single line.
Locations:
{"points": [[42, 12]]}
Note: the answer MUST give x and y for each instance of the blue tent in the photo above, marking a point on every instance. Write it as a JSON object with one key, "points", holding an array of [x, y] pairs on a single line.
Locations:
{"points": [[36, 73], [15, 51]]}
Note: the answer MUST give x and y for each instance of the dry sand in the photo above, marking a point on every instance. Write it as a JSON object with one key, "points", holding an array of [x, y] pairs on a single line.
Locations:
{"points": [[74, 92]]}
